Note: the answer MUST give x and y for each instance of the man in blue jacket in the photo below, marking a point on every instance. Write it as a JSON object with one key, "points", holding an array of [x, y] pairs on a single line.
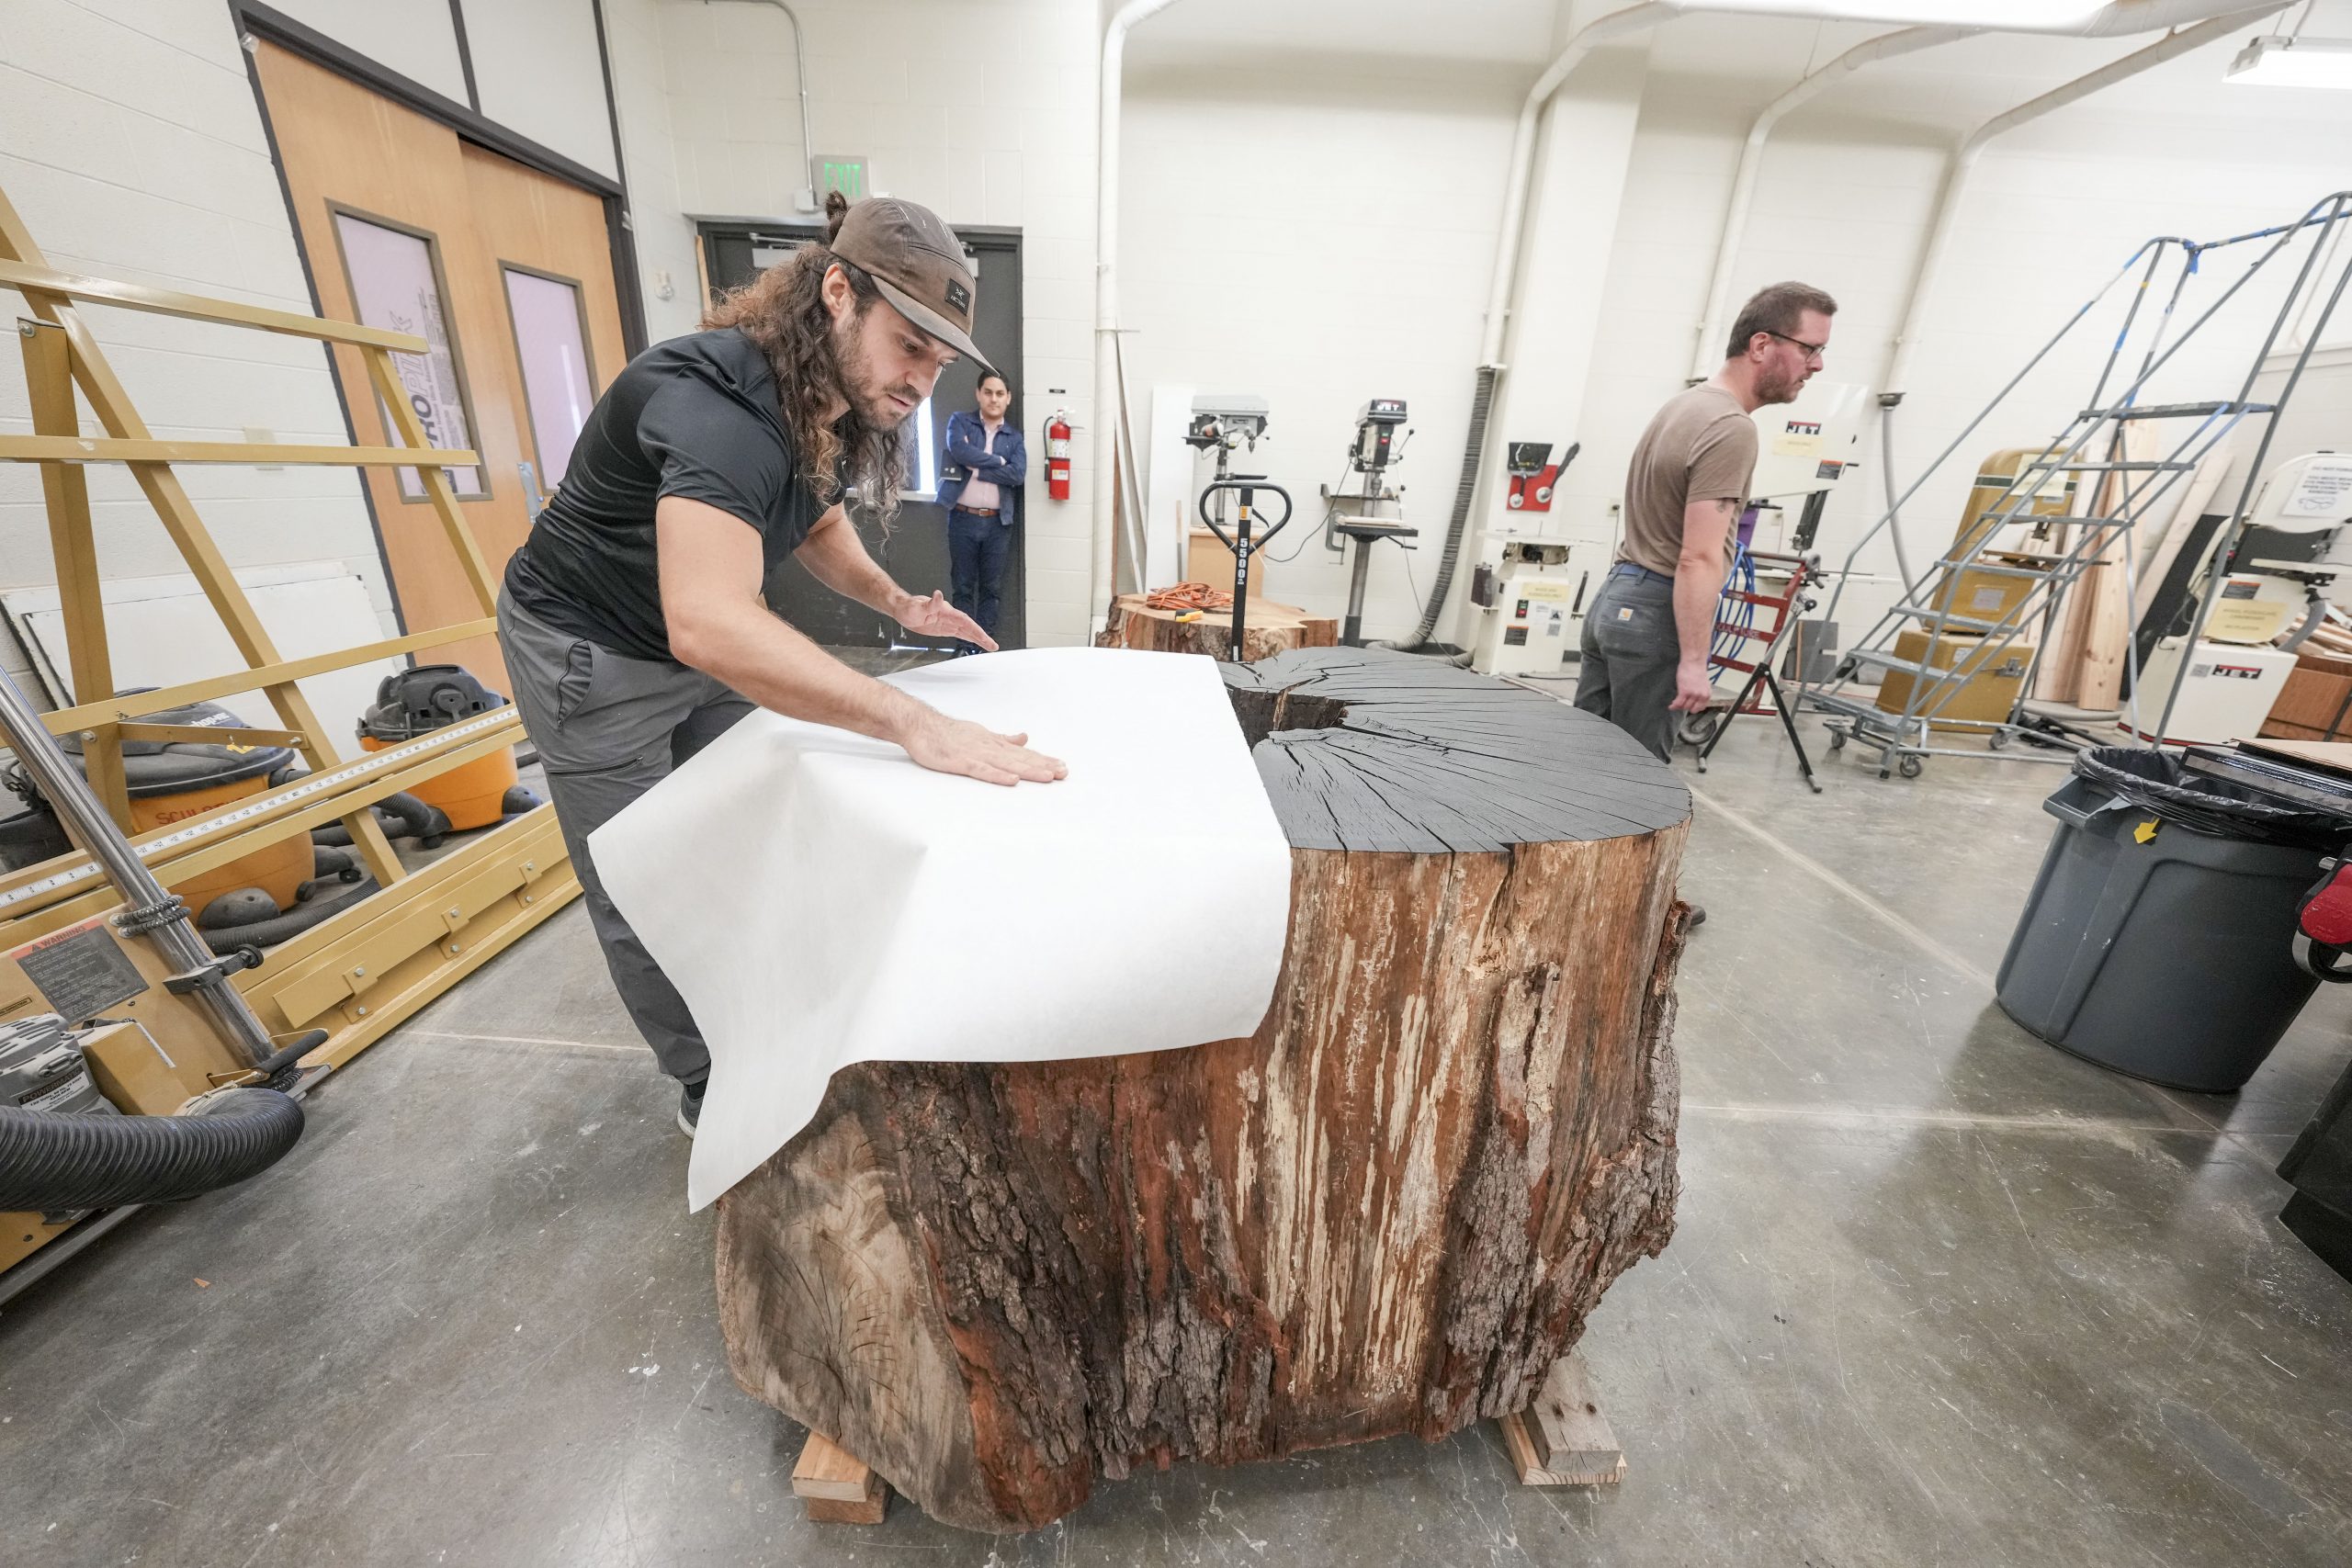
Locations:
{"points": [[987, 464]]}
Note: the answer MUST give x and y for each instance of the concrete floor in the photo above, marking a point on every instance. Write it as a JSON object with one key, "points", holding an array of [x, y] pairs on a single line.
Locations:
{"points": [[1941, 1293]]}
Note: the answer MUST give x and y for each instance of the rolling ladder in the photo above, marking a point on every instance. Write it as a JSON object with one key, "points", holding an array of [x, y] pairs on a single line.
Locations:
{"points": [[1903, 736], [2099, 522]]}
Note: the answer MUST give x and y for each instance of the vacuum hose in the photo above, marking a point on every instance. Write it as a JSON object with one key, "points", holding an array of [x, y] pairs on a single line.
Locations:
{"points": [[1474, 454], [403, 816], [53, 1160]]}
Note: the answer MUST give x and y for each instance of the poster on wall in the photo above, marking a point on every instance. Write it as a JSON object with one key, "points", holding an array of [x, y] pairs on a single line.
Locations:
{"points": [[395, 286]]}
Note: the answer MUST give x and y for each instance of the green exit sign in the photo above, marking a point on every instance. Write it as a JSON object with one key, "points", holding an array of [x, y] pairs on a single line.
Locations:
{"points": [[842, 172]]}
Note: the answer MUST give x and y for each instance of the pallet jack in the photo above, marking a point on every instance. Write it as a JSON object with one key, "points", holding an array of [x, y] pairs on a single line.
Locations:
{"points": [[1222, 432]]}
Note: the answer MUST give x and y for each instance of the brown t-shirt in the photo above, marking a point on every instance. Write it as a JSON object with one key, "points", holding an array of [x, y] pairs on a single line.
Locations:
{"points": [[1701, 446]]}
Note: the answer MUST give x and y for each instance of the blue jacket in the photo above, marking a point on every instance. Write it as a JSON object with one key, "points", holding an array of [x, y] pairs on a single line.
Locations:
{"points": [[1003, 462]]}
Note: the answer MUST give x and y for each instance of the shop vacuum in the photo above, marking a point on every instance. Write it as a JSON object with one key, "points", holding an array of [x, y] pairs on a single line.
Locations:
{"points": [[285, 889]]}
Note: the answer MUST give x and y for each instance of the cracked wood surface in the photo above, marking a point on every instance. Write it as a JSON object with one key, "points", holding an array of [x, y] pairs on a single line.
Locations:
{"points": [[1388, 1211]]}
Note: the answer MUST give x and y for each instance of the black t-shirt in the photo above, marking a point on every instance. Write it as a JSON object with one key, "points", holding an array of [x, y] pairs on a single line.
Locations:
{"points": [[697, 416]]}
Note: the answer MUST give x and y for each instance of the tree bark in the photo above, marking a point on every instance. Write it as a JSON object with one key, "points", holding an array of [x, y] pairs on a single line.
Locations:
{"points": [[1388, 1211], [1267, 628]]}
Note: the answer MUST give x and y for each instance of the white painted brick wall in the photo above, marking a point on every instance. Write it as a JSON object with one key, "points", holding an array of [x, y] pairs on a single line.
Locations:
{"points": [[130, 144], [1318, 243]]}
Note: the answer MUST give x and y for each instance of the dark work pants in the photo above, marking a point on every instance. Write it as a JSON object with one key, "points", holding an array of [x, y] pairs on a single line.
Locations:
{"points": [[608, 728], [1630, 655], [977, 548]]}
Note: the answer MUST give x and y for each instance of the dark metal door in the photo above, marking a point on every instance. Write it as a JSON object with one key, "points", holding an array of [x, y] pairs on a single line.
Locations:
{"points": [[915, 552]]}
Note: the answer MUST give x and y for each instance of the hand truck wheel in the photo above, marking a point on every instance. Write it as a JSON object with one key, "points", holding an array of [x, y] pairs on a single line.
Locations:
{"points": [[1911, 767], [1698, 728]]}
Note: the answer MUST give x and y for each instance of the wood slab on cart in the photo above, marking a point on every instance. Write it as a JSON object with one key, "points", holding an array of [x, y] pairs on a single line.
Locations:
{"points": [[1268, 629], [1389, 1210]]}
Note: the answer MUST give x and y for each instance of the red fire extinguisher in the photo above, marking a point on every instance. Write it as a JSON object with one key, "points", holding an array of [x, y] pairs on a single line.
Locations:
{"points": [[1057, 455]]}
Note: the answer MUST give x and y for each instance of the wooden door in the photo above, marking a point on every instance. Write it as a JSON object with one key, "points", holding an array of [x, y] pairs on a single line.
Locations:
{"points": [[378, 188]]}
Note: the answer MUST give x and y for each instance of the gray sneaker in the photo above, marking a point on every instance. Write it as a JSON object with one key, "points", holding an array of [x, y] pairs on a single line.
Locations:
{"points": [[690, 1105]]}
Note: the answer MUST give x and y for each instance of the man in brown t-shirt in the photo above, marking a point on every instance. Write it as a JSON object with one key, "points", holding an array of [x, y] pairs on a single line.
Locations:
{"points": [[1646, 636]]}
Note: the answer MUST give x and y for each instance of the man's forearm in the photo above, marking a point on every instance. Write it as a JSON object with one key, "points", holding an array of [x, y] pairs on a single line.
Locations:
{"points": [[836, 556], [779, 668], [1696, 595]]}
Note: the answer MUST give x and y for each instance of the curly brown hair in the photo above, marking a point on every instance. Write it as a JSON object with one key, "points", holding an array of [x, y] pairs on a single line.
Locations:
{"points": [[783, 310]]}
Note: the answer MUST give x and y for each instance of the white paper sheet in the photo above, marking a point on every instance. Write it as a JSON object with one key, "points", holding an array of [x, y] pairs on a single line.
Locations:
{"points": [[818, 899]]}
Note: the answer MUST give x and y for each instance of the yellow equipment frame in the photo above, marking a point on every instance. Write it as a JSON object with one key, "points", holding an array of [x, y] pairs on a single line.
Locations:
{"points": [[362, 971]]}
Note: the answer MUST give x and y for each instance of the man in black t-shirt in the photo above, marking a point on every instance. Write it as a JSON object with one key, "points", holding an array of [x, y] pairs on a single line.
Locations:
{"points": [[632, 621]]}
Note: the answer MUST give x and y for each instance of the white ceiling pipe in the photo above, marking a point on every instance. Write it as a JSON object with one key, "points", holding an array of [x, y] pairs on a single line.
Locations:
{"points": [[2120, 17], [1106, 298], [1955, 182], [1591, 36], [1708, 354]]}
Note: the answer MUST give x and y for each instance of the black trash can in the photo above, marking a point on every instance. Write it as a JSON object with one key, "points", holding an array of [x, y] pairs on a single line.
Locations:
{"points": [[2157, 939]]}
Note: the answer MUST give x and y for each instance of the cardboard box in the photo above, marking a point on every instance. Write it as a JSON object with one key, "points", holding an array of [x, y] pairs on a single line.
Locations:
{"points": [[1987, 595], [1207, 561], [2314, 699], [1988, 694]]}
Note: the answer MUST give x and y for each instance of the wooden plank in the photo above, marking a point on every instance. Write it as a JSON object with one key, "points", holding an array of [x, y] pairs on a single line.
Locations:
{"points": [[27, 279], [2108, 614], [2334, 756], [837, 1488], [102, 768], [147, 450], [208, 735], [48, 382], [1571, 1435], [437, 492], [260, 678]]}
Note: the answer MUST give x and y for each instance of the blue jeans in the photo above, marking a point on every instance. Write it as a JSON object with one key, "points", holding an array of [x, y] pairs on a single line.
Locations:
{"points": [[976, 550]]}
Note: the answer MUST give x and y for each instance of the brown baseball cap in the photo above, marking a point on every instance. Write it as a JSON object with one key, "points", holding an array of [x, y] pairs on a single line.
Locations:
{"points": [[919, 263]]}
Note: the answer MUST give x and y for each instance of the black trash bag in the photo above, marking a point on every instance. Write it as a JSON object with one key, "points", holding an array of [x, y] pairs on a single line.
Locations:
{"points": [[2202, 804]]}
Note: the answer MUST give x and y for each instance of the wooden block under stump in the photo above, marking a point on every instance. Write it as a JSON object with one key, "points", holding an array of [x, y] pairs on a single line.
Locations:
{"points": [[835, 1487], [1563, 1440]]}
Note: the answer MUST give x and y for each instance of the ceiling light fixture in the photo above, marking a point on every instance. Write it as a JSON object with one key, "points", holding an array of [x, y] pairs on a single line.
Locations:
{"points": [[2030, 14], [2275, 62]]}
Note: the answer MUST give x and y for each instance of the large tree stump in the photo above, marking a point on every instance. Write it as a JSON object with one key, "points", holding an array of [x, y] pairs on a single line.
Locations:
{"points": [[1388, 1211], [1267, 628]]}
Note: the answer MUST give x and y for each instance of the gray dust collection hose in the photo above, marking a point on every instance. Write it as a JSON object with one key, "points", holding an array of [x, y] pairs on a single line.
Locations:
{"points": [[53, 1160], [1474, 453]]}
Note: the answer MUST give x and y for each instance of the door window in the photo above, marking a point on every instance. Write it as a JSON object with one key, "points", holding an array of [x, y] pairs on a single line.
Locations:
{"points": [[395, 279], [551, 341]]}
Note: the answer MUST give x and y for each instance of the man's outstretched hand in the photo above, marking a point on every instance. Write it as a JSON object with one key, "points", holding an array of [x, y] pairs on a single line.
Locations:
{"points": [[936, 616], [947, 745]]}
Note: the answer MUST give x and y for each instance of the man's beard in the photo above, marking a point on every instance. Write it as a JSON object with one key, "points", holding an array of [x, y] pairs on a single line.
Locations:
{"points": [[1781, 388], [870, 400]]}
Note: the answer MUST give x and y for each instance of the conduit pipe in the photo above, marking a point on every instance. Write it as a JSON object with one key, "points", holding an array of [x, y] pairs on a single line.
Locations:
{"points": [[801, 70], [1108, 407], [1963, 161], [1707, 356]]}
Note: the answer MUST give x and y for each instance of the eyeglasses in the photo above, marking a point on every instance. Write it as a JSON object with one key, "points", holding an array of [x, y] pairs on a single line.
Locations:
{"points": [[1813, 351]]}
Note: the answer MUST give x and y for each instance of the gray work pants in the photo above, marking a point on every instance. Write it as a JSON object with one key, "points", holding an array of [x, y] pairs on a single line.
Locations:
{"points": [[1630, 654], [608, 728]]}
